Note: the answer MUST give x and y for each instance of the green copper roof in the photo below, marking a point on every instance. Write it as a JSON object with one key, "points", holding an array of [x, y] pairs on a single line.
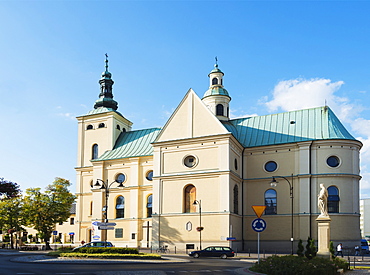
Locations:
{"points": [[102, 110], [216, 90], [132, 144], [295, 126]]}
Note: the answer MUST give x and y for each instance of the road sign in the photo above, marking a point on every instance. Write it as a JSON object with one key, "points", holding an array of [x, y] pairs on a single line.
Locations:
{"points": [[107, 224], [230, 239], [106, 227], [259, 225], [55, 232], [71, 233], [258, 209], [95, 223]]}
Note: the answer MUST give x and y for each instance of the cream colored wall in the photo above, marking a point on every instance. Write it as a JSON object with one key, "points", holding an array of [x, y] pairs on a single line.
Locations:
{"points": [[137, 189]]}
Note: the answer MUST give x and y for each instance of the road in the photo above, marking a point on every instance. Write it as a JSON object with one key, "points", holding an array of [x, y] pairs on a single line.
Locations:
{"points": [[196, 266]]}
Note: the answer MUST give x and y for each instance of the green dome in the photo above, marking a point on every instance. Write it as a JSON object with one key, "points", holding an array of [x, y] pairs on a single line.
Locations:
{"points": [[216, 90], [216, 70]]}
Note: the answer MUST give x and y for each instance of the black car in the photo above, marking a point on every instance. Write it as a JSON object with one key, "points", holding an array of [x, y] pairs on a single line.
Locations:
{"points": [[214, 251]]}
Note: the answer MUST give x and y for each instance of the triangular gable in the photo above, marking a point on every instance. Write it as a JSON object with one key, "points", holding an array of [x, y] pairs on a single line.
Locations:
{"points": [[191, 119]]}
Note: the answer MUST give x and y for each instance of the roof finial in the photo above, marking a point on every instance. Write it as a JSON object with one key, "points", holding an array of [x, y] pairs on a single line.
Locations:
{"points": [[216, 65], [106, 62]]}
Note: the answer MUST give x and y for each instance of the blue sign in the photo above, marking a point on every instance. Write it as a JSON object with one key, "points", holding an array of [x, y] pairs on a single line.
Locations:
{"points": [[55, 232], [259, 225], [71, 233], [230, 239]]}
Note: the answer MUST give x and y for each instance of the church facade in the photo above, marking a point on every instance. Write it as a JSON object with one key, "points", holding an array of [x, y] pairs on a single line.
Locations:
{"points": [[193, 182]]}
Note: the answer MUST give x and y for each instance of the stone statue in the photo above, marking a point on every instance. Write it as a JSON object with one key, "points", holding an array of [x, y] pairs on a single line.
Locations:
{"points": [[322, 201]]}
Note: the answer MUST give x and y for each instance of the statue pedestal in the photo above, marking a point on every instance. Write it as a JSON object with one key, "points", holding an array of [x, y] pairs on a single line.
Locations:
{"points": [[323, 230]]}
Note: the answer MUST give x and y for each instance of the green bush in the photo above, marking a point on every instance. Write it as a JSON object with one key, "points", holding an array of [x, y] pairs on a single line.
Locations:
{"points": [[292, 265], [112, 256], [108, 250], [300, 251]]}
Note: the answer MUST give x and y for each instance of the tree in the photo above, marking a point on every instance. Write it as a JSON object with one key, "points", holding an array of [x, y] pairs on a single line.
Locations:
{"points": [[8, 189], [11, 216], [300, 251], [43, 211], [310, 249]]}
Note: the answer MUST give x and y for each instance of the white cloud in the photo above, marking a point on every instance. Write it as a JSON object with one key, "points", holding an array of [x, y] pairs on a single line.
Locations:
{"points": [[301, 93], [67, 115]]}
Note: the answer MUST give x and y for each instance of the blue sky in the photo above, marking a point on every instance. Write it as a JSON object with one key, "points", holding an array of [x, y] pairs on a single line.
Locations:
{"points": [[276, 56]]}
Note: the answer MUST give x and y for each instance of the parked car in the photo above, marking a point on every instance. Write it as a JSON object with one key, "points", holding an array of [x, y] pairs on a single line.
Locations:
{"points": [[94, 244], [213, 251], [364, 246]]}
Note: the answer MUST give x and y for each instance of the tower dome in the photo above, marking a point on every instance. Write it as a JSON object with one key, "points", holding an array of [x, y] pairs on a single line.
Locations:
{"points": [[216, 97]]}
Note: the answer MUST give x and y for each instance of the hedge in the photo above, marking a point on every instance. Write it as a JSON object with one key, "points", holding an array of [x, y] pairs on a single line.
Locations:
{"points": [[111, 256], [108, 250]]}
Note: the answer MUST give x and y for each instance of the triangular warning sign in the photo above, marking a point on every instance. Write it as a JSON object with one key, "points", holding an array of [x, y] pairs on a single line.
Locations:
{"points": [[258, 209]]}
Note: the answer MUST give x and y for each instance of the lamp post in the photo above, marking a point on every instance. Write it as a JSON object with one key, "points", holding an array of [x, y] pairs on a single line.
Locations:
{"points": [[200, 228], [274, 183], [105, 186]]}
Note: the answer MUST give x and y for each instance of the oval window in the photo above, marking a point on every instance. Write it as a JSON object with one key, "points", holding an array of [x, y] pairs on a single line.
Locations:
{"points": [[190, 161], [120, 178], [270, 166], [333, 161], [149, 175]]}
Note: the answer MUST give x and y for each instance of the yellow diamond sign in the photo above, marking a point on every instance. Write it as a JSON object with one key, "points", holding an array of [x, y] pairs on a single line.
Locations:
{"points": [[258, 209]]}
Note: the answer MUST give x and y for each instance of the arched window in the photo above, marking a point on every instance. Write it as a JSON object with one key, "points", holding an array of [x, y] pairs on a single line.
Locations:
{"points": [[149, 206], [101, 125], [89, 127], [149, 175], [189, 198], [120, 207], [236, 199], [214, 81], [219, 110], [333, 199], [95, 151], [118, 127], [270, 202]]}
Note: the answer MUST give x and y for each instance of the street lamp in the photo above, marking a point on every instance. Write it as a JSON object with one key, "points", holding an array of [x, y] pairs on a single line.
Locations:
{"points": [[274, 183], [200, 228], [105, 186]]}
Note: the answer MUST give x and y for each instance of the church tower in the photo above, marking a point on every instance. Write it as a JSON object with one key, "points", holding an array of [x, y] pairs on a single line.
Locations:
{"points": [[216, 97], [100, 128]]}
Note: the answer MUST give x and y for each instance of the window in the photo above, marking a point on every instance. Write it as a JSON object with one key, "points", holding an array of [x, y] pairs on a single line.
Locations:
{"points": [[120, 207], [120, 178], [101, 125], [72, 221], [118, 232], [333, 161], [118, 127], [89, 127], [333, 199], [133, 236], [95, 150], [270, 202], [190, 161], [236, 164], [214, 81], [236, 199], [149, 175], [149, 206], [270, 166], [91, 208], [219, 110], [189, 198]]}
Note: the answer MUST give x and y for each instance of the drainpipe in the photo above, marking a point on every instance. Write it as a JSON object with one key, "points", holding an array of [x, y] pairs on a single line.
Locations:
{"points": [[310, 186]]}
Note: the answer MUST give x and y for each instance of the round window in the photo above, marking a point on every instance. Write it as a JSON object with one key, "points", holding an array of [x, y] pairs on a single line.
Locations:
{"points": [[120, 178], [190, 161], [270, 166], [333, 161], [149, 175]]}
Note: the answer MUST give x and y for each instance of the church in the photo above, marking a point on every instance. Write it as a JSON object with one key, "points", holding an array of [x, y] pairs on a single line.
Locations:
{"points": [[196, 181]]}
